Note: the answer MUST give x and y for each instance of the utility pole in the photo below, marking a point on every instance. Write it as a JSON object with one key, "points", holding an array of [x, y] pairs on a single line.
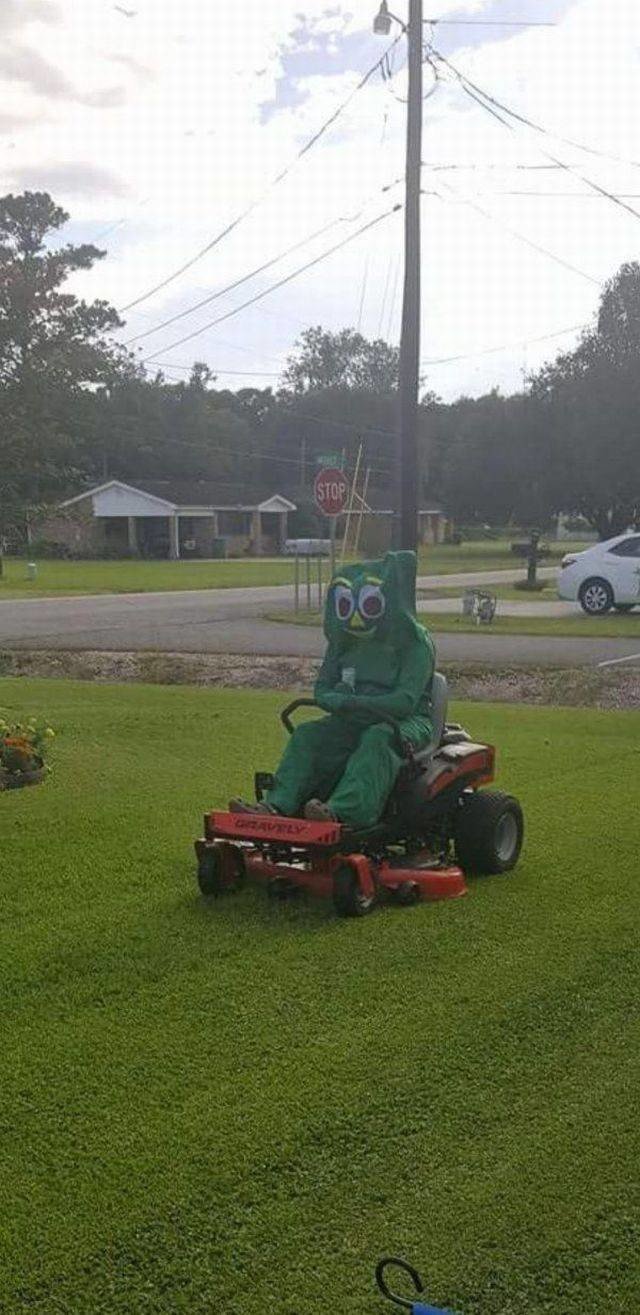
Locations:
{"points": [[407, 473]]}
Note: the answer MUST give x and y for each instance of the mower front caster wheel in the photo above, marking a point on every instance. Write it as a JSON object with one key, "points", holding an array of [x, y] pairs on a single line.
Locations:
{"points": [[489, 830], [407, 893], [220, 869], [349, 899]]}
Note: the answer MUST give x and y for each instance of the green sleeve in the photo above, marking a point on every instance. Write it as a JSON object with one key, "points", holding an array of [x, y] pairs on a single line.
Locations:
{"points": [[324, 690], [416, 673]]}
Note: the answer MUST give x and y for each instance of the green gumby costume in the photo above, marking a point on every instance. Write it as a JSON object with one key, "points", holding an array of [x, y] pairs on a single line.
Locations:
{"points": [[379, 663]]}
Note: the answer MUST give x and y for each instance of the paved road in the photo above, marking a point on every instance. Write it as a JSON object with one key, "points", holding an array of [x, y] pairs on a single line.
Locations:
{"points": [[230, 621]]}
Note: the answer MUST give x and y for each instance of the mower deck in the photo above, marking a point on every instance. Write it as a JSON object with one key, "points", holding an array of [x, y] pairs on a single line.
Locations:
{"points": [[291, 855]]}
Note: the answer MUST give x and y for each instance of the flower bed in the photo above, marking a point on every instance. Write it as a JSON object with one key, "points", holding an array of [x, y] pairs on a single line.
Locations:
{"points": [[23, 749]]}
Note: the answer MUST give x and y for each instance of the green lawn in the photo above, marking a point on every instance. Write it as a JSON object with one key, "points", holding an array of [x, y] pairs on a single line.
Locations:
{"points": [[237, 1109], [582, 626], [139, 577], [147, 577], [505, 592]]}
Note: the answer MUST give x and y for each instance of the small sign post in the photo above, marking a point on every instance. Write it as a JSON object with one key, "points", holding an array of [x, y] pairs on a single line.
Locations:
{"points": [[331, 493]]}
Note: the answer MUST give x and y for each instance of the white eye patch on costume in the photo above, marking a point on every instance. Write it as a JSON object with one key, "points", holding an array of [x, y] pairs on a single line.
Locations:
{"points": [[345, 603], [371, 602]]}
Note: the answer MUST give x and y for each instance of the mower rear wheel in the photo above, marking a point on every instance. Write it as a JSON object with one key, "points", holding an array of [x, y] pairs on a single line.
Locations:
{"points": [[489, 831], [348, 899]]}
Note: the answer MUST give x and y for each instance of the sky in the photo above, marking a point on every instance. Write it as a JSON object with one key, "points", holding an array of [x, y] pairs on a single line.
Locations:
{"points": [[156, 123]]}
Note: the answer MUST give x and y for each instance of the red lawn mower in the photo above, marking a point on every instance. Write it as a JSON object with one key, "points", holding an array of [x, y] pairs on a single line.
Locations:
{"points": [[438, 827]]}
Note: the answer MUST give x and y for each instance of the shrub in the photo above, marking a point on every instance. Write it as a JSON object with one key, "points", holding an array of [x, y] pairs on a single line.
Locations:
{"points": [[23, 748]]}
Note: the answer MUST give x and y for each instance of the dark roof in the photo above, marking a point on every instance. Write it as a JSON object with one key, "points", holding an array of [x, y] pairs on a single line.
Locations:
{"points": [[381, 499], [211, 493]]}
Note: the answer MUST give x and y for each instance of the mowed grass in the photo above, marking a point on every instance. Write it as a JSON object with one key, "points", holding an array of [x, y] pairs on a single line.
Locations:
{"points": [[579, 626], [89, 577], [505, 592], [237, 1109]]}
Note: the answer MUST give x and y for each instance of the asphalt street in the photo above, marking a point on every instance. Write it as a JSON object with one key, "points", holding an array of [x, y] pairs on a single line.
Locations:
{"points": [[232, 621]]}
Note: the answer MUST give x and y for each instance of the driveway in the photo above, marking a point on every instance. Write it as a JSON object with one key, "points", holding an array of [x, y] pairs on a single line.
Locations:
{"points": [[231, 621]]}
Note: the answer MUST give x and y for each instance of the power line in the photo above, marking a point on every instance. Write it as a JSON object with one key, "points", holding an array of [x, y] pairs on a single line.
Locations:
{"points": [[472, 87], [576, 196], [230, 287], [489, 351], [504, 165], [175, 365], [521, 237], [275, 286], [483, 22], [308, 145], [268, 264], [561, 164]]}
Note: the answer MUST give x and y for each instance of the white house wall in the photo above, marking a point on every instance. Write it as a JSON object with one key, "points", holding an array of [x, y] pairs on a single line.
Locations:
{"points": [[117, 501]]}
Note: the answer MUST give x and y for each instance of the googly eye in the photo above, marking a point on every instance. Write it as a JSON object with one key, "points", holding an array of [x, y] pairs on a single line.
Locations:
{"points": [[371, 602], [344, 602]]}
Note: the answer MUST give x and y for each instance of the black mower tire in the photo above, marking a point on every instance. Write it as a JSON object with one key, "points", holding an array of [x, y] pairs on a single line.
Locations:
{"points": [[348, 899], [209, 876], [407, 893], [489, 831], [220, 871]]}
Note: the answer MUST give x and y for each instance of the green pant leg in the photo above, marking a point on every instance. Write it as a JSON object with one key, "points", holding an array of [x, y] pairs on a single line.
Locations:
{"points": [[312, 762], [362, 791], [417, 730], [361, 794]]}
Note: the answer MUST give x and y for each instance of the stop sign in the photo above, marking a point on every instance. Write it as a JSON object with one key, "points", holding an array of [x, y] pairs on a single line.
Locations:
{"points": [[331, 491]]}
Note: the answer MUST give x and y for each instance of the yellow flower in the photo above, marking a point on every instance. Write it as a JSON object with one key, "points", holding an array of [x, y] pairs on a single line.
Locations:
{"points": [[50, 734]]}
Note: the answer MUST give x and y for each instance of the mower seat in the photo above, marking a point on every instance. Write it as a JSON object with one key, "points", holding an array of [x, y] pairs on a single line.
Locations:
{"points": [[439, 704]]}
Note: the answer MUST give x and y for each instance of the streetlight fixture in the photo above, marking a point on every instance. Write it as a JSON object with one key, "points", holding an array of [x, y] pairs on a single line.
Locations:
{"points": [[407, 472], [382, 21]]}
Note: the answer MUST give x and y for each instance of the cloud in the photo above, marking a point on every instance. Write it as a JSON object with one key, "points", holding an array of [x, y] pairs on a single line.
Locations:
{"points": [[15, 14], [22, 64], [134, 66], [483, 287], [15, 122], [75, 178], [106, 99]]}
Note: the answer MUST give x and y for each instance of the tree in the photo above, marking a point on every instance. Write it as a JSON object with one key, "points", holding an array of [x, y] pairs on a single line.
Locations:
{"points": [[492, 460], [590, 399], [343, 359], [154, 430], [52, 346]]}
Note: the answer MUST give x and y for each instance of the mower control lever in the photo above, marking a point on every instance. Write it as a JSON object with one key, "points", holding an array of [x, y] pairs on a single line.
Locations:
{"points": [[286, 714], [403, 746]]}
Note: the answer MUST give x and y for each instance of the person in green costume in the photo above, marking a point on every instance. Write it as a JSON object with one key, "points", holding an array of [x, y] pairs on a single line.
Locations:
{"points": [[379, 663]]}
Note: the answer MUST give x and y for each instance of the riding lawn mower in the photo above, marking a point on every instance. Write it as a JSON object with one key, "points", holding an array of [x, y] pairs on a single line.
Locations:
{"points": [[439, 827]]}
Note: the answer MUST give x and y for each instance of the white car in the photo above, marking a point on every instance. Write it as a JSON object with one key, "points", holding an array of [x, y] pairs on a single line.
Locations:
{"points": [[604, 576]]}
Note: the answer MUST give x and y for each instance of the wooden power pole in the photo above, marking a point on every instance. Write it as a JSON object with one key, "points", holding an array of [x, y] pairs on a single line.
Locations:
{"points": [[406, 534]]}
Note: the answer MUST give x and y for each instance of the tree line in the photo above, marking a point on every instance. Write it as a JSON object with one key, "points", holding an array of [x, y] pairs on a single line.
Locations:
{"points": [[76, 408]]}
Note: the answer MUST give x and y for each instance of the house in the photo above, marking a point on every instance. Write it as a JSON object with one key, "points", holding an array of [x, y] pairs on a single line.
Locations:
{"points": [[376, 527], [169, 518]]}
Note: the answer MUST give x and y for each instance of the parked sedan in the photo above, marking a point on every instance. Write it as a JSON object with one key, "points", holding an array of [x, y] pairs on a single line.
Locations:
{"points": [[604, 576]]}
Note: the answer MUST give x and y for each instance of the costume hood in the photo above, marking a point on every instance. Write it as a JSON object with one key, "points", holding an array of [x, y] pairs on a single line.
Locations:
{"points": [[367, 599]]}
